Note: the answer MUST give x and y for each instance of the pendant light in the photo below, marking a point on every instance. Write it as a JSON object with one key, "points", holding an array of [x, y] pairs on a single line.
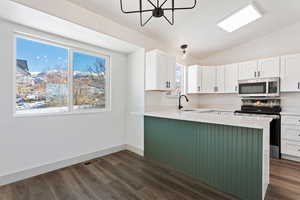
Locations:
{"points": [[184, 50]]}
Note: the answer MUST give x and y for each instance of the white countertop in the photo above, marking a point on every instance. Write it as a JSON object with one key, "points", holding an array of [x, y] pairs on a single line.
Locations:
{"points": [[223, 117], [293, 113]]}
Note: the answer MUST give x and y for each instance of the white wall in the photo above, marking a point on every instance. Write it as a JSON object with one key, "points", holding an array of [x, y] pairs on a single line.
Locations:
{"points": [[158, 101], [285, 41], [83, 17], [134, 136], [290, 102], [29, 142], [223, 101]]}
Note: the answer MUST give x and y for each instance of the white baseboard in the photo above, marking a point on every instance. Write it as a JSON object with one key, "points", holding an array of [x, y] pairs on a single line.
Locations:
{"points": [[289, 157], [21, 175], [134, 149]]}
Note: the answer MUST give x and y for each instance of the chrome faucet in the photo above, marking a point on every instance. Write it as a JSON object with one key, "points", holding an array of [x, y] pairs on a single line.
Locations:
{"points": [[179, 105]]}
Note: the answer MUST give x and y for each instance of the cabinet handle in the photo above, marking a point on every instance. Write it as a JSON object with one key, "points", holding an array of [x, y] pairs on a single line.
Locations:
{"points": [[236, 88], [199, 88], [167, 84], [298, 85], [216, 89], [254, 74], [258, 73]]}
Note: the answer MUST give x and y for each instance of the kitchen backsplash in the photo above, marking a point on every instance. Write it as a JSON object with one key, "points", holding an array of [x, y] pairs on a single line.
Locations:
{"points": [[290, 102]]}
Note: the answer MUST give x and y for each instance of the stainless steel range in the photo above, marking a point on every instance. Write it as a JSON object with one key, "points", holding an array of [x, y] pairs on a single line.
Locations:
{"points": [[268, 107]]}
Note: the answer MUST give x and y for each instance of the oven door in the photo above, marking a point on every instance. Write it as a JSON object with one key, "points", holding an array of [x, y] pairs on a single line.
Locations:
{"points": [[255, 89]]}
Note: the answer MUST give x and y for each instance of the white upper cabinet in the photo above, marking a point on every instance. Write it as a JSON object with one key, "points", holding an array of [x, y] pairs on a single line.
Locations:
{"points": [[220, 79], [290, 73], [224, 79], [269, 67], [172, 73], [231, 78], [208, 79], [248, 70], [160, 71], [194, 82], [263, 68]]}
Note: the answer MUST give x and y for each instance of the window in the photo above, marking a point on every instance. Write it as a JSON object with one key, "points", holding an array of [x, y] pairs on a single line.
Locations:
{"points": [[180, 79], [46, 82], [88, 81]]}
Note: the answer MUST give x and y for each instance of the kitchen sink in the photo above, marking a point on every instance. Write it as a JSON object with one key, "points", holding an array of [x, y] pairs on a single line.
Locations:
{"points": [[216, 112], [188, 110]]}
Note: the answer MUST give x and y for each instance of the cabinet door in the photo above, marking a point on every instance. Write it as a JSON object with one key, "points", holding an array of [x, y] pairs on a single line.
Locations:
{"points": [[162, 71], [248, 70], [231, 78], [290, 70], [208, 79], [220, 79], [194, 79], [269, 67], [159, 70], [172, 73]]}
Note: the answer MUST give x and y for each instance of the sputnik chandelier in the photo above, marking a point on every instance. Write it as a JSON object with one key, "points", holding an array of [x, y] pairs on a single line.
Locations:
{"points": [[158, 10]]}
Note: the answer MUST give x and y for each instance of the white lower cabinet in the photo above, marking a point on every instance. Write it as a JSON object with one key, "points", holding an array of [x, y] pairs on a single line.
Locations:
{"points": [[290, 136]]}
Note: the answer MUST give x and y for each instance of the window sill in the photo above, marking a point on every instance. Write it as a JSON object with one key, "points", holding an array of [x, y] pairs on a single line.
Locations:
{"points": [[54, 114]]}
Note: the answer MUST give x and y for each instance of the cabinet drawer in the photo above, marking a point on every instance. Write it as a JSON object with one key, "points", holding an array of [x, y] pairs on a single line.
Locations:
{"points": [[293, 149], [294, 120], [291, 133]]}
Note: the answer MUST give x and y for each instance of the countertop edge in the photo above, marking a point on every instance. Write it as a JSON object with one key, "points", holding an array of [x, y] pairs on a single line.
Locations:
{"points": [[234, 122]]}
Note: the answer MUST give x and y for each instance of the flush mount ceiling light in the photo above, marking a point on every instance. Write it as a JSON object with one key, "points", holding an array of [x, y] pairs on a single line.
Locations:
{"points": [[240, 18], [158, 10], [184, 50]]}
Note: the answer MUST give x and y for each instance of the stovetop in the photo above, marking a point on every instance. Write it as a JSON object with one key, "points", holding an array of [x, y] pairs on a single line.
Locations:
{"points": [[275, 110]]}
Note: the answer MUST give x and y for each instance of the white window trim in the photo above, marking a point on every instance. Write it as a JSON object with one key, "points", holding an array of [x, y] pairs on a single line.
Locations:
{"points": [[71, 49], [183, 78], [183, 88]]}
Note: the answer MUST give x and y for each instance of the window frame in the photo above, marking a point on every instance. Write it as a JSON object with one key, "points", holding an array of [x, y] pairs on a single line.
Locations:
{"points": [[71, 50], [183, 78]]}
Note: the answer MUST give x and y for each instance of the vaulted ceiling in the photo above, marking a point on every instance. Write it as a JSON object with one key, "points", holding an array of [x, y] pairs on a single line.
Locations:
{"points": [[198, 27]]}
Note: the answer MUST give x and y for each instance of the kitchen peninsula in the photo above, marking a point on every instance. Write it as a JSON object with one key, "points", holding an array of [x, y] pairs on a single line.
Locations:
{"points": [[228, 152]]}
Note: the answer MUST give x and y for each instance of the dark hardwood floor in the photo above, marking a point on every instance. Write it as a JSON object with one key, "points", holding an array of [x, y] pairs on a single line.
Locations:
{"points": [[125, 175]]}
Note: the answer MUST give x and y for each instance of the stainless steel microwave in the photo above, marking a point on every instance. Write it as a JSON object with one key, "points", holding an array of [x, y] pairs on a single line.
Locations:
{"points": [[262, 87]]}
